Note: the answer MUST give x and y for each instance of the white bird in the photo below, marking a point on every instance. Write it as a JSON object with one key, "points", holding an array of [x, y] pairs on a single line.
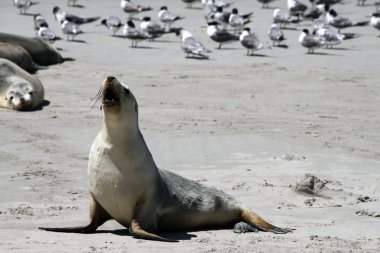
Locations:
{"points": [[131, 8], [330, 36], [61, 16], [210, 7], [190, 3], [238, 21], [220, 35], [46, 34], [112, 23], [72, 2], [250, 41], [192, 46], [70, 28], [314, 11], [39, 21], [275, 34], [265, 3], [375, 21], [340, 22], [310, 41], [153, 28], [167, 17], [23, 5], [282, 17], [296, 8], [136, 35]]}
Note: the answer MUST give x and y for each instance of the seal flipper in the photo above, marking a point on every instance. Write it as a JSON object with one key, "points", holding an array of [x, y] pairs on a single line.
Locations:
{"points": [[97, 217], [138, 232], [256, 221]]}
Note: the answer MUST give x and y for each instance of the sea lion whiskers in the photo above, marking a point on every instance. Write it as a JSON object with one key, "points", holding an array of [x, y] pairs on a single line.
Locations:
{"points": [[95, 99]]}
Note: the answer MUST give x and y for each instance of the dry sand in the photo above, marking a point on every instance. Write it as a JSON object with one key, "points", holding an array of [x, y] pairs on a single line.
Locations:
{"points": [[251, 126]]}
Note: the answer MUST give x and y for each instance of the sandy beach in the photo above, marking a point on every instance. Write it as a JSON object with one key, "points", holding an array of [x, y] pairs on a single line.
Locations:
{"points": [[252, 126]]}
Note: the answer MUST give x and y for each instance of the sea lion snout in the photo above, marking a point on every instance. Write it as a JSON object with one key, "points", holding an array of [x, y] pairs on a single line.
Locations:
{"points": [[110, 78], [110, 91]]}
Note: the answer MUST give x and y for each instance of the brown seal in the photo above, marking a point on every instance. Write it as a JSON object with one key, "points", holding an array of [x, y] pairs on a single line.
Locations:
{"points": [[18, 55], [126, 185], [41, 52]]}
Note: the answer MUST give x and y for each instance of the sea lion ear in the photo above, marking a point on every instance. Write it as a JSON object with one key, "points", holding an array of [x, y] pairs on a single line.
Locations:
{"points": [[136, 107]]}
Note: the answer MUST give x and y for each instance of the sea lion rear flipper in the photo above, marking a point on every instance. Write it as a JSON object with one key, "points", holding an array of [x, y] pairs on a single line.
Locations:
{"points": [[257, 222], [97, 217], [138, 232]]}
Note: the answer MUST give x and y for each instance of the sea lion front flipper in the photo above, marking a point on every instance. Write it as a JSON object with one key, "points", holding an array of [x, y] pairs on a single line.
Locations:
{"points": [[97, 217], [136, 231]]}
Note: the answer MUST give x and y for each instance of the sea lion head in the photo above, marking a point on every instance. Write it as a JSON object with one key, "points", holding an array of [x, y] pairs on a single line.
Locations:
{"points": [[118, 103], [20, 96]]}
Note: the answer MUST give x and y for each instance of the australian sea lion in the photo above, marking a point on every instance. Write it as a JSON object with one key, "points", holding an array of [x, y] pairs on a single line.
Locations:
{"points": [[17, 54], [126, 185], [19, 90], [41, 52]]}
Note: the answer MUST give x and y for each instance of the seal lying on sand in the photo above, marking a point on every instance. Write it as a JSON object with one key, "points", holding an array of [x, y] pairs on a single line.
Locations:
{"points": [[19, 90], [41, 52], [126, 185], [18, 55]]}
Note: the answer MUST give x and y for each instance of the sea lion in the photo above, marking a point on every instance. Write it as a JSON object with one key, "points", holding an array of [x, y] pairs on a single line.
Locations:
{"points": [[19, 90], [18, 55], [126, 185], [41, 52]]}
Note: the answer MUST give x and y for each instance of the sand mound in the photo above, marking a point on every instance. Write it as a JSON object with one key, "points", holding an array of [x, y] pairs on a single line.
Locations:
{"points": [[313, 191]]}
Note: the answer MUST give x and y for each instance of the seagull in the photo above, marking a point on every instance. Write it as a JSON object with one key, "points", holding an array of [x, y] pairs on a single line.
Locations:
{"points": [[220, 16], [61, 16], [250, 41], [265, 3], [275, 34], [153, 28], [70, 28], [340, 22], [238, 21], [46, 34], [131, 8], [167, 17], [189, 3], [361, 2], [310, 41], [375, 20], [192, 46], [314, 11], [220, 35], [39, 21], [330, 36], [296, 8], [112, 23], [23, 5], [135, 34], [72, 2], [210, 6], [282, 17]]}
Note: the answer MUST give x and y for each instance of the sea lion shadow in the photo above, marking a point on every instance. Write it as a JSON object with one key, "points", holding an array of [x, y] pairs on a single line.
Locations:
{"points": [[176, 236]]}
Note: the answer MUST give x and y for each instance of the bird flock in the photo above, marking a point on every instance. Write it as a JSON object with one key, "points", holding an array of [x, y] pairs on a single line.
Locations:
{"points": [[223, 22]]}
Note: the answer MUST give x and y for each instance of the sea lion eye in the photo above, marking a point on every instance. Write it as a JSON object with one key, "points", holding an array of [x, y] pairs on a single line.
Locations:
{"points": [[31, 93]]}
